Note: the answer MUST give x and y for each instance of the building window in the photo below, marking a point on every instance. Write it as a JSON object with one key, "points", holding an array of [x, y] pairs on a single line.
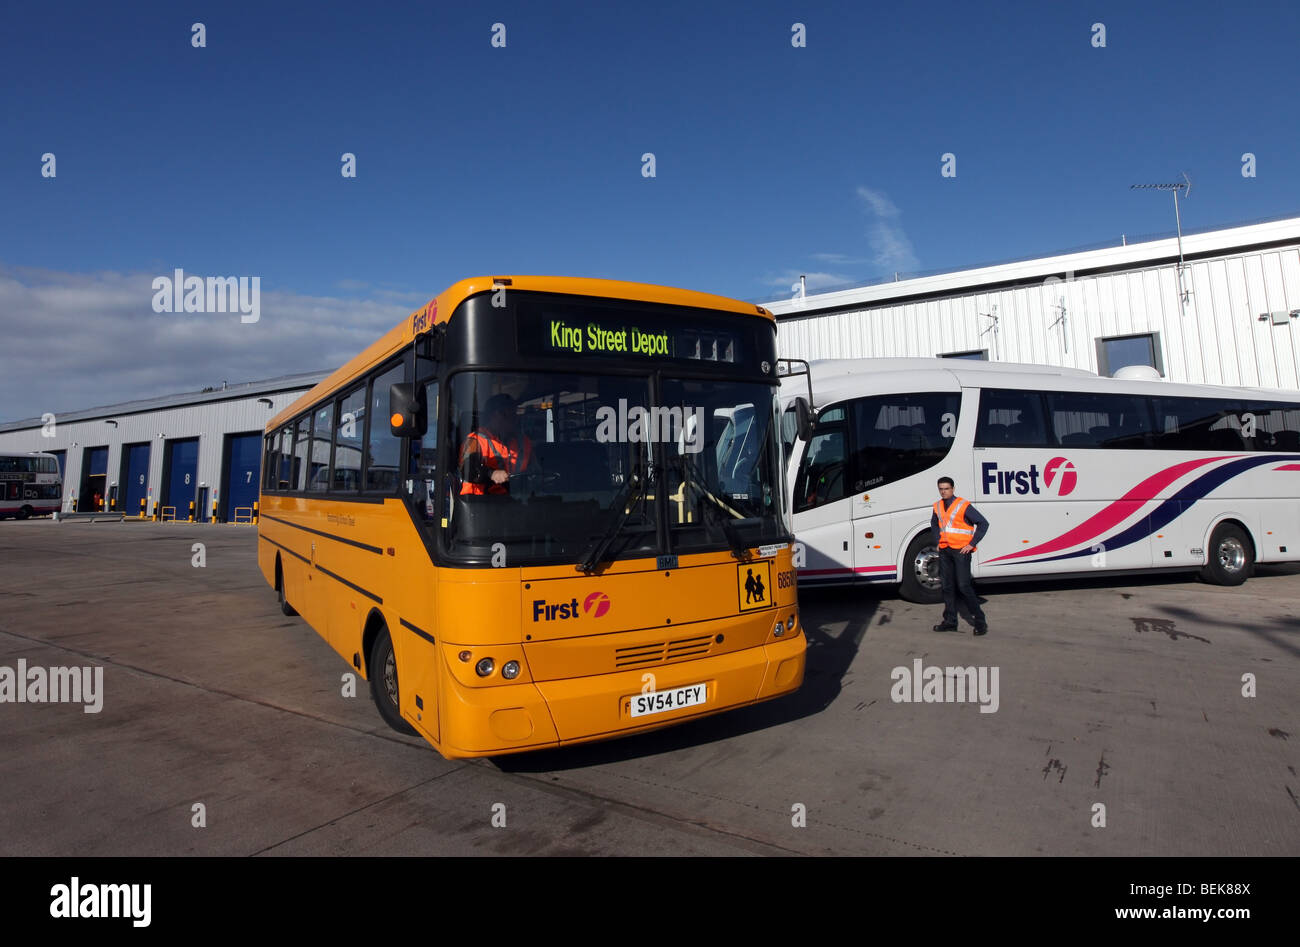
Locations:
{"points": [[978, 355], [1118, 351]]}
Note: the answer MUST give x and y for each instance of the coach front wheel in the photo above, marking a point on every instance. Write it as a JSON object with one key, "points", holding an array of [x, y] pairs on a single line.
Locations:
{"points": [[383, 683], [920, 580], [1232, 558]]}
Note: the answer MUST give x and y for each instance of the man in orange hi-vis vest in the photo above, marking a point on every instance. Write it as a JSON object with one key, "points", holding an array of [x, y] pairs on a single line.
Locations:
{"points": [[957, 529], [495, 451]]}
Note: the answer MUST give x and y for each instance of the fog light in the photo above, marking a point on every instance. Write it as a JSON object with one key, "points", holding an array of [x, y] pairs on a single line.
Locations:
{"points": [[484, 667], [510, 670]]}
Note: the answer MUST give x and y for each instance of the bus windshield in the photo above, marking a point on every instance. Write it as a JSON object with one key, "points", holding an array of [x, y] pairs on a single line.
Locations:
{"points": [[541, 465]]}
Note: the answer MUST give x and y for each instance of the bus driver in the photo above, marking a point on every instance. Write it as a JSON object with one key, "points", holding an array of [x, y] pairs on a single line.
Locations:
{"points": [[495, 450]]}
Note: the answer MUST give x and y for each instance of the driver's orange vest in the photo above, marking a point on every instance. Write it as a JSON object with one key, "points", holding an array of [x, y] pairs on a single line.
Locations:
{"points": [[954, 531], [496, 456]]}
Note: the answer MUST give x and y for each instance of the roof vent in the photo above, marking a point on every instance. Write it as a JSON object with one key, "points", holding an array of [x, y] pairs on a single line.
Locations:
{"points": [[1137, 373]]}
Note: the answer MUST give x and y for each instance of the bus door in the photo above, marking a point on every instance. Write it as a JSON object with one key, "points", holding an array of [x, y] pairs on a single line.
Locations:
{"points": [[823, 502]]}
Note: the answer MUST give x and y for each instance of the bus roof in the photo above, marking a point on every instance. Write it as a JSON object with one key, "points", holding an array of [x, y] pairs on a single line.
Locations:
{"points": [[835, 380], [440, 308]]}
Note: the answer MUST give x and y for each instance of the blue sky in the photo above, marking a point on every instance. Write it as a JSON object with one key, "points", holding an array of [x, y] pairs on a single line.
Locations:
{"points": [[770, 160]]}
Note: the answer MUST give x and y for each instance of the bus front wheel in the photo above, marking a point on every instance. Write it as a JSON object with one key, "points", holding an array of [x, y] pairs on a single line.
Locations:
{"points": [[25, 512], [920, 580], [383, 683], [1232, 558]]}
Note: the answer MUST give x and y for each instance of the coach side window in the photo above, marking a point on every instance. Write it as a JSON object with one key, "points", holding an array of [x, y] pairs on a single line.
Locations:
{"points": [[1089, 419], [1011, 418], [823, 472], [1271, 426], [1198, 424], [902, 434]]}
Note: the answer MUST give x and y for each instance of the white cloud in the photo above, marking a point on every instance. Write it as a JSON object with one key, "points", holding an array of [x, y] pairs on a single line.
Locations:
{"points": [[893, 250], [83, 340], [837, 259], [789, 279]]}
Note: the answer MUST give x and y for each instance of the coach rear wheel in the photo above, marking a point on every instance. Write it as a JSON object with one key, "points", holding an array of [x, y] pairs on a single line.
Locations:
{"points": [[383, 683], [920, 581], [1231, 557]]}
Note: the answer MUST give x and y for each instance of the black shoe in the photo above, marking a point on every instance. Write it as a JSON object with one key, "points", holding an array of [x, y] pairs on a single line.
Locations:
{"points": [[981, 629], [945, 627]]}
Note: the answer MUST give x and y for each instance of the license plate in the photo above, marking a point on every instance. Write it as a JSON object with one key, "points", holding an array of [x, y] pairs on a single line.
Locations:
{"points": [[657, 702]]}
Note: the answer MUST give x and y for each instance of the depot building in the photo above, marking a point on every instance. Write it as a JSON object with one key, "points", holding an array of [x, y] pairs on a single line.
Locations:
{"points": [[196, 454], [1221, 308]]}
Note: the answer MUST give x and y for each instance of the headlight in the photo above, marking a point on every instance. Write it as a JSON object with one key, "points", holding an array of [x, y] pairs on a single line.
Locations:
{"points": [[510, 670], [484, 667]]}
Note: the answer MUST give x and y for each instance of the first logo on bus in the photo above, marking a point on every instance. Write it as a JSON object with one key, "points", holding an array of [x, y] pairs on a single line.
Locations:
{"points": [[424, 318]]}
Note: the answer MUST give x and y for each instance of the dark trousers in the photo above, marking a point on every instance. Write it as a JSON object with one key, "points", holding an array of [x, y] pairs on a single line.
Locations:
{"points": [[954, 576]]}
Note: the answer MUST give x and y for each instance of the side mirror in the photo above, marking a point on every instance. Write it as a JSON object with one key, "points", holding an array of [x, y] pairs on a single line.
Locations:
{"points": [[406, 410], [804, 418]]}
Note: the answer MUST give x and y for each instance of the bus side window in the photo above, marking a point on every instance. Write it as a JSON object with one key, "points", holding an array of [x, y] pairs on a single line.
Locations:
{"points": [[424, 456], [383, 451]]}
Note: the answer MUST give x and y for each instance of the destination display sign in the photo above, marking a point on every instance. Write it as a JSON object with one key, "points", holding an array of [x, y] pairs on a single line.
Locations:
{"points": [[554, 331]]}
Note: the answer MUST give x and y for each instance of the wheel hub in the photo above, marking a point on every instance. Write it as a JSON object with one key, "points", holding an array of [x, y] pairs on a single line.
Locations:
{"points": [[390, 676], [926, 568], [1232, 555]]}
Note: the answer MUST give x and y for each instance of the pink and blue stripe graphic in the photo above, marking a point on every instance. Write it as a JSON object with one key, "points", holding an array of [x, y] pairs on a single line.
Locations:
{"points": [[1089, 531]]}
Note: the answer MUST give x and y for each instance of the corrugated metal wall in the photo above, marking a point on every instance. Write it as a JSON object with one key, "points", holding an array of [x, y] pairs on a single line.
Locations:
{"points": [[209, 422], [1217, 338]]}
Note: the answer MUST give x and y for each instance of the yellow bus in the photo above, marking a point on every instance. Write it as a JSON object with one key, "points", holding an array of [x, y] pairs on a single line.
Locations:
{"points": [[544, 511]]}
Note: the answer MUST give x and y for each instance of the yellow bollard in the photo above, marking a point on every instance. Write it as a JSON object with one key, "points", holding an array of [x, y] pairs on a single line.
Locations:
{"points": [[191, 511]]}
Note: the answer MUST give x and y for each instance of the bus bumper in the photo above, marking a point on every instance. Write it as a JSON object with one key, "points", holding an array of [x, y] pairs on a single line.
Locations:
{"points": [[493, 721]]}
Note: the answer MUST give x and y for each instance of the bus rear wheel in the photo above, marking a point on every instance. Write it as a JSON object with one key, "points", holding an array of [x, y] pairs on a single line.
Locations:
{"points": [[920, 580], [285, 607], [1232, 558], [383, 683]]}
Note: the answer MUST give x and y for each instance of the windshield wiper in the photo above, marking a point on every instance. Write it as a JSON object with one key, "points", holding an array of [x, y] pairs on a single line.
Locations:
{"points": [[632, 493], [712, 509]]}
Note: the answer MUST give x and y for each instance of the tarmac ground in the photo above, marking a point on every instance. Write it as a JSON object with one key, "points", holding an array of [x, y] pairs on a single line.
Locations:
{"points": [[1134, 716]]}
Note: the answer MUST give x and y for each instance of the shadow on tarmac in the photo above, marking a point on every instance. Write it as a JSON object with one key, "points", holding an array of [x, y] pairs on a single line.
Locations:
{"points": [[832, 650]]}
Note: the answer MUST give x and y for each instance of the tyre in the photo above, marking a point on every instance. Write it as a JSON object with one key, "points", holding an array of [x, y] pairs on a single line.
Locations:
{"points": [[383, 683], [920, 580], [1232, 557], [25, 512], [285, 607]]}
